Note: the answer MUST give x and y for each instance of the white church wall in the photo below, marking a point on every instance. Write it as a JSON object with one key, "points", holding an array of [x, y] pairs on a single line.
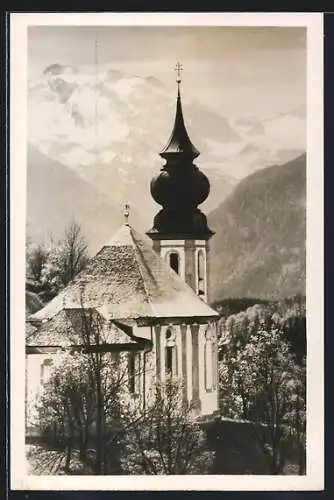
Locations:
{"points": [[179, 348], [149, 377], [38, 370], [150, 368], [208, 397], [162, 355], [143, 332], [189, 364]]}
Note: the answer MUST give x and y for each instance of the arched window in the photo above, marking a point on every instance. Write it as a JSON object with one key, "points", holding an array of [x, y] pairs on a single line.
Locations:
{"points": [[170, 354], [174, 261], [200, 273], [45, 369]]}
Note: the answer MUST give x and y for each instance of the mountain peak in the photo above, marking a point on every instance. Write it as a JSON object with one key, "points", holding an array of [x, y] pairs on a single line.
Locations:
{"points": [[60, 69]]}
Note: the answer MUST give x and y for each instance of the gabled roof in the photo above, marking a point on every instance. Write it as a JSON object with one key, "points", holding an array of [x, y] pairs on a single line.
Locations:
{"points": [[127, 279], [67, 328]]}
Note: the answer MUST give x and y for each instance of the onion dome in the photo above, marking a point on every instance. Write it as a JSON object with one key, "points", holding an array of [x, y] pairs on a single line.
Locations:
{"points": [[188, 188], [180, 186]]}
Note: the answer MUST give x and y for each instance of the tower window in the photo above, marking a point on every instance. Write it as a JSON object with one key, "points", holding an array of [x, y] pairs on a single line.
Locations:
{"points": [[200, 274], [174, 261]]}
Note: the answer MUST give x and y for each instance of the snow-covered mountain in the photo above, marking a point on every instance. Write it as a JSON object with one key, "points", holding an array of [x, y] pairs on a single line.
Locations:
{"points": [[108, 128]]}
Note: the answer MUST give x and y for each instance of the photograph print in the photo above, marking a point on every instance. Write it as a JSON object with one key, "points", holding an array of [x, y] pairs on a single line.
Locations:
{"points": [[166, 280]]}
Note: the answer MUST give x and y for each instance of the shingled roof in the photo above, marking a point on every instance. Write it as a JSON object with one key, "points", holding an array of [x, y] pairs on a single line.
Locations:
{"points": [[127, 279], [67, 328]]}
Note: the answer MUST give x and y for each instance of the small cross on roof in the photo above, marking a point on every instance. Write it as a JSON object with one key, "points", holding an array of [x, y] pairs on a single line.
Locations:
{"points": [[178, 68], [126, 213]]}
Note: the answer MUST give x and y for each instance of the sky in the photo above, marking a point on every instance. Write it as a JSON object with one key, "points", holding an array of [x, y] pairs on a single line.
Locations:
{"points": [[239, 71]]}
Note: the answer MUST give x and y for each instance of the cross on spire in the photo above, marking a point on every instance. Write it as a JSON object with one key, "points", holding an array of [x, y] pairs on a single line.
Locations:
{"points": [[126, 213], [178, 68]]}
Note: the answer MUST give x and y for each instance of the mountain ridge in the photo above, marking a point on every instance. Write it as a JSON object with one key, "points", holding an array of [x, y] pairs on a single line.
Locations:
{"points": [[259, 249], [81, 118], [94, 144], [63, 196]]}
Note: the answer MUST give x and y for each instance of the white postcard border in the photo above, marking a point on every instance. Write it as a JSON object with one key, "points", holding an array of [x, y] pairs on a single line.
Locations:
{"points": [[314, 479]]}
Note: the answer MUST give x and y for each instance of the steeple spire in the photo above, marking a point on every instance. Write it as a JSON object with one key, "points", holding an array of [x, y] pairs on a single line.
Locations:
{"points": [[179, 143], [180, 186]]}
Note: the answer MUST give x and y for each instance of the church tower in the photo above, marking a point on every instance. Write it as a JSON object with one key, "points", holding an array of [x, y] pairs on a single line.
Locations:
{"points": [[180, 232]]}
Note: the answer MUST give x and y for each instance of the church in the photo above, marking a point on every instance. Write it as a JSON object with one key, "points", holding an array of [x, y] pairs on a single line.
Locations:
{"points": [[149, 292]]}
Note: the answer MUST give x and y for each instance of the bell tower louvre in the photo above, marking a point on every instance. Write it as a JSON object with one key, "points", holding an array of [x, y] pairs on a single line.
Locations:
{"points": [[180, 232]]}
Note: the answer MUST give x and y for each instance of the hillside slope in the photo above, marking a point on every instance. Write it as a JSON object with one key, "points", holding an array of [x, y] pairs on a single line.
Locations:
{"points": [[259, 249], [56, 195]]}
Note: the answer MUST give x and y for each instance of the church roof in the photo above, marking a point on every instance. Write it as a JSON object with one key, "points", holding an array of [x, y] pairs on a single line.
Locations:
{"points": [[127, 279], [67, 328]]}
